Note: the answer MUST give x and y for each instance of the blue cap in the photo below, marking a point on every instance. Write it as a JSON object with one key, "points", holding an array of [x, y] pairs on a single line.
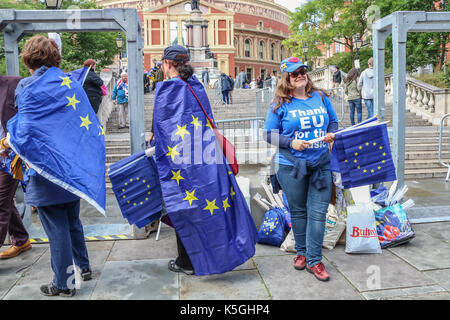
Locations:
{"points": [[172, 52], [291, 64]]}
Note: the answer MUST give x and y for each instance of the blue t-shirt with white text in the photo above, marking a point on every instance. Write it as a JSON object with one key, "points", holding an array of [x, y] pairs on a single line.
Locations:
{"points": [[304, 119]]}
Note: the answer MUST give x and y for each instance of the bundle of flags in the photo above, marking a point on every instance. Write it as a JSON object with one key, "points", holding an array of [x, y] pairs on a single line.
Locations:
{"points": [[135, 184], [362, 154], [57, 134]]}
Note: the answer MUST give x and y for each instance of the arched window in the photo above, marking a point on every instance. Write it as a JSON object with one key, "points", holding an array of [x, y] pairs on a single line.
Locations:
{"points": [[281, 53], [261, 49], [272, 51], [247, 47]]}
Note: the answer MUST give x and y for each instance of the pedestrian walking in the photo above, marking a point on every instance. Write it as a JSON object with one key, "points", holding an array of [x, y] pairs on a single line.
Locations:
{"points": [[10, 219], [366, 83], [337, 77], [159, 75], [58, 208], [241, 79], [120, 98], [226, 85], [353, 93], [274, 82], [92, 85], [302, 112]]}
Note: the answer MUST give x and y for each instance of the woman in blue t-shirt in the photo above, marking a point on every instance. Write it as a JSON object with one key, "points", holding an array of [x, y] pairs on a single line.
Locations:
{"points": [[302, 113]]}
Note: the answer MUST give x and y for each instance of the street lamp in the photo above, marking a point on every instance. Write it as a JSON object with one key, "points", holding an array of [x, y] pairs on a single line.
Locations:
{"points": [[119, 43], [358, 45], [53, 4], [305, 51]]}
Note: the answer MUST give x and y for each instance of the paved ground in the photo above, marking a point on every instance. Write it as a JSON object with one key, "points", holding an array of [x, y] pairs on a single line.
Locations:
{"points": [[137, 269]]}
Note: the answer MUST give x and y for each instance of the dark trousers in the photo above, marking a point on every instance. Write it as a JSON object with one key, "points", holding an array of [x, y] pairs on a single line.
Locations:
{"points": [[226, 96], [66, 237], [95, 102], [10, 220], [183, 259]]}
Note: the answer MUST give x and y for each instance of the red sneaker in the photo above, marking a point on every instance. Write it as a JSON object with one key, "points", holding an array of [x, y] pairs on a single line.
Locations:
{"points": [[300, 262], [319, 271]]}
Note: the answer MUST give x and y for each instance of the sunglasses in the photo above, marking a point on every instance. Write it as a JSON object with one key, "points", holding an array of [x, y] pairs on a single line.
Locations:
{"points": [[300, 71]]}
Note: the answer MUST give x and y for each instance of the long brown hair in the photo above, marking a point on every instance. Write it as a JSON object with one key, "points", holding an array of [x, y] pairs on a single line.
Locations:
{"points": [[353, 74], [285, 89]]}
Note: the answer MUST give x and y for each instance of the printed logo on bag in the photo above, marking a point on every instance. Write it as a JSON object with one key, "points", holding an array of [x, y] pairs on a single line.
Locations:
{"points": [[364, 233]]}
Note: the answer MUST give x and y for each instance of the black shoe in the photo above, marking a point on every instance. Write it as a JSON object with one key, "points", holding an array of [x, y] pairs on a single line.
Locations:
{"points": [[86, 274], [175, 268], [51, 290]]}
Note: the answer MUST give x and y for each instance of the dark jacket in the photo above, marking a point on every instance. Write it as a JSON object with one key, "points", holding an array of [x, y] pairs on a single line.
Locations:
{"points": [[92, 84], [8, 85], [226, 83], [337, 76]]}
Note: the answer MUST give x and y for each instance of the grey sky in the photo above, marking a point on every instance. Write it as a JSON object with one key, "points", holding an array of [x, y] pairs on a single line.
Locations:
{"points": [[290, 4]]}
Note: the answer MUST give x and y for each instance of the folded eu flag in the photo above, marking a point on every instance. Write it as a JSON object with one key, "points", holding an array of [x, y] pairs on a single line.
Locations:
{"points": [[57, 133]]}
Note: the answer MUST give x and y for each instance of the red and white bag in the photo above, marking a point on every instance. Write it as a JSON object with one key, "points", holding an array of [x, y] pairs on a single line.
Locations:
{"points": [[362, 236]]}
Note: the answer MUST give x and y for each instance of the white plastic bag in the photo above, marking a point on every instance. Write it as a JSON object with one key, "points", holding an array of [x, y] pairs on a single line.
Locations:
{"points": [[361, 231], [288, 244]]}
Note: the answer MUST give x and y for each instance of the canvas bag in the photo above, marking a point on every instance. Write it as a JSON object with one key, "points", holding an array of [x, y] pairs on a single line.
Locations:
{"points": [[361, 234]]}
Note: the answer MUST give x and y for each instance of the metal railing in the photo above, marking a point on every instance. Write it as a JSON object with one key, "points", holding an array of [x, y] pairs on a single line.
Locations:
{"points": [[441, 129], [263, 99], [337, 99]]}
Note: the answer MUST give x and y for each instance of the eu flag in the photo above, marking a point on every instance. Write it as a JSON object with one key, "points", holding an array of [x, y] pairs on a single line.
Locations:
{"points": [[79, 75], [363, 155], [200, 192], [57, 134], [136, 186]]}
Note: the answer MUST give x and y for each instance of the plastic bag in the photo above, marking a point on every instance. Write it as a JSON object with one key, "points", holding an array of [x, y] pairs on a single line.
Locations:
{"points": [[272, 228], [393, 226], [334, 227], [288, 244], [361, 236], [104, 90]]}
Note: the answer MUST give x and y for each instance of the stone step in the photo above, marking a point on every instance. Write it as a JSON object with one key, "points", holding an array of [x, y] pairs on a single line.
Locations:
{"points": [[411, 174], [422, 155], [422, 164], [123, 149]]}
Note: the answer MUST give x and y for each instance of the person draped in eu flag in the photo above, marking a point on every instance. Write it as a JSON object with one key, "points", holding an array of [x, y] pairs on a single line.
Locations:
{"points": [[302, 113], [56, 133], [214, 228]]}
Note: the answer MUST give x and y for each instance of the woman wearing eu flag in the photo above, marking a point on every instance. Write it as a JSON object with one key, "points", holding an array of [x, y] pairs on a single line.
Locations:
{"points": [[300, 113], [58, 208]]}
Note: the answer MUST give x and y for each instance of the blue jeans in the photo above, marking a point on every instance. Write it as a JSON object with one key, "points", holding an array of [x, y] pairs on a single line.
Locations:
{"points": [[358, 105], [66, 237], [226, 96], [369, 106], [308, 207]]}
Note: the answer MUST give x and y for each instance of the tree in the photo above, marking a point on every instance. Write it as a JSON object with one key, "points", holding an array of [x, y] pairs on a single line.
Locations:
{"points": [[76, 47]]}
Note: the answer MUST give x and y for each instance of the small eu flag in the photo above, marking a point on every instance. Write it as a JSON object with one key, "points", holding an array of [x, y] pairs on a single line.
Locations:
{"points": [[363, 156], [136, 187]]}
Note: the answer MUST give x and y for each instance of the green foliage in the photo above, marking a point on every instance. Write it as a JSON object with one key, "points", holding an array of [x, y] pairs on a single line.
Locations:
{"points": [[345, 59], [76, 47], [438, 79]]}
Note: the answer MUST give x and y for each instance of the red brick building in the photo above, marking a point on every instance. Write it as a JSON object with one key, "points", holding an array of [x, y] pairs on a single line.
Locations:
{"points": [[243, 34]]}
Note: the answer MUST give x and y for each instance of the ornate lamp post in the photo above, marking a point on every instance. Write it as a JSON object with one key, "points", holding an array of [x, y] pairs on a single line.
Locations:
{"points": [[119, 44], [305, 52], [358, 45], [53, 4]]}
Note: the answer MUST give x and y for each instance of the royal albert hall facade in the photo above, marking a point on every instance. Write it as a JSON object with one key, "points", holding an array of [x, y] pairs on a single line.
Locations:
{"points": [[243, 35]]}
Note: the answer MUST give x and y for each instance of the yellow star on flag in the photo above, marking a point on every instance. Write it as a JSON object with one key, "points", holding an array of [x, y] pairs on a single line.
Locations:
{"points": [[72, 102], [225, 204], [85, 122], [232, 193], [190, 197], [209, 125], [195, 122], [211, 206], [182, 131], [172, 152], [176, 176], [66, 81], [102, 132]]}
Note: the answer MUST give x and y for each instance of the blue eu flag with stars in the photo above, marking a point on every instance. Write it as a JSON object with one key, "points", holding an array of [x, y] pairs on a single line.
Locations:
{"points": [[57, 133], [363, 156], [200, 192]]}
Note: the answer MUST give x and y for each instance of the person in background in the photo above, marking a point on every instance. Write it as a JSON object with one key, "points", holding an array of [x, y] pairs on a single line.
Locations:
{"points": [[92, 85], [226, 86], [120, 97], [268, 81], [353, 93], [10, 220], [274, 81], [259, 83], [159, 75], [232, 82], [146, 82], [205, 78], [58, 208], [302, 112], [337, 77], [366, 83], [241, 79]]}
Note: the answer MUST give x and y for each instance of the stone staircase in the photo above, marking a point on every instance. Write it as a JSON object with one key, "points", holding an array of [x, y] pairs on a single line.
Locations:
{"points": [[422, 139]]}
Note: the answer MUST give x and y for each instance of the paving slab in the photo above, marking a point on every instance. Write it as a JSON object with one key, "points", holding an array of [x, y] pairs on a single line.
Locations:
{"points": [[234, 285], [286, 283], [11, 266], [137, 280], [442, 277], [375, 271], [424, 252], [403, 293], [6, 283], [263, 250], [439, 230], [428, 296], [164, 248]]}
